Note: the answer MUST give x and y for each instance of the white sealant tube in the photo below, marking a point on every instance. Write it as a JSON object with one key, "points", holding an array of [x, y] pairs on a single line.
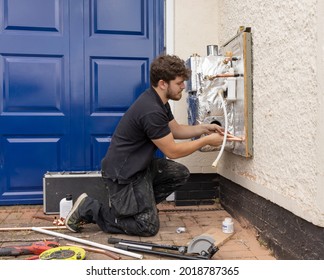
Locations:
{"points": [[90, 243]]}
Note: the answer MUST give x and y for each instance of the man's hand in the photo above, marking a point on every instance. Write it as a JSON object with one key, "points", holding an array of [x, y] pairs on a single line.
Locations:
{"points": [[209, 128], [212, 128], [216, 139]]}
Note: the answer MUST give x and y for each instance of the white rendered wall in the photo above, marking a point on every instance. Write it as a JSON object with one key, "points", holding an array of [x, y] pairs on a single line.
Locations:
{"points": [[288, 96]]}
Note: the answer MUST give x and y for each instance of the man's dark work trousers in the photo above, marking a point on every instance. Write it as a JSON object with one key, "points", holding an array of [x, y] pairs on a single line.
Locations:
{"points": [[133, 206]]}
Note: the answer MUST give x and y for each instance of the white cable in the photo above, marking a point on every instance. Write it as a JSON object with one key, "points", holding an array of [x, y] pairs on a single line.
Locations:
{"points": [[220, 93]]}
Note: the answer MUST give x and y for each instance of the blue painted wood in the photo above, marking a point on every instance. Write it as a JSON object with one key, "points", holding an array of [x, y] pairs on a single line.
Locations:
{"points": [[69, 69]]}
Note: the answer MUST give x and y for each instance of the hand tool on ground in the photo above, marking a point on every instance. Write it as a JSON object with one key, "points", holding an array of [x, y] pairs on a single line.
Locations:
{"points": [[147, 245], [35, 248], [63, 253], [200, 248]]}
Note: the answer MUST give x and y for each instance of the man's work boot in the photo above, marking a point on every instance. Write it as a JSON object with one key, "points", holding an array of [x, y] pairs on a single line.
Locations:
{"points": [[74, 219]]}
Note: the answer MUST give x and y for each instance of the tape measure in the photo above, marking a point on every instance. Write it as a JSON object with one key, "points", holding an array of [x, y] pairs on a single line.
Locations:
{"points": [[63, 253]]}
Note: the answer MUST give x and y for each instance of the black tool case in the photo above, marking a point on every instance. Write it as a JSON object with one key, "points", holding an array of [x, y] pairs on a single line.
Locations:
{"points": [[56, 185]]}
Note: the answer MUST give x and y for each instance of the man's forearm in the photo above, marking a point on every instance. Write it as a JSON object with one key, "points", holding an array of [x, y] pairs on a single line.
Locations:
{"points": [[183, 149], [188, 131]]}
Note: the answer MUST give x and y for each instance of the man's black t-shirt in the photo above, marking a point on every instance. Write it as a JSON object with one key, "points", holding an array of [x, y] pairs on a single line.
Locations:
{"points": [[131, 149]]}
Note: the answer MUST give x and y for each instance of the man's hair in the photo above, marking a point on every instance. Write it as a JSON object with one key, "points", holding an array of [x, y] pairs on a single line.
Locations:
{"points": [[167, 68]]}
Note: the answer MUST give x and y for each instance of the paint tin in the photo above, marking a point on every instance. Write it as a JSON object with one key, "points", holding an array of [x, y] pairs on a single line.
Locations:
{"points": [[228, 225]]}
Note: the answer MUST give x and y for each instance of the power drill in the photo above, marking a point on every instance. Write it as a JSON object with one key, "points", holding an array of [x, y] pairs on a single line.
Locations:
{"points": [[29, 249]]}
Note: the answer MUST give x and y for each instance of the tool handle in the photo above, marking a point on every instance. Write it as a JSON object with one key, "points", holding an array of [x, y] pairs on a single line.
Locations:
{"points": [[9, 252], [12, 251], [159, 253], [122, 246], [113, 240]]}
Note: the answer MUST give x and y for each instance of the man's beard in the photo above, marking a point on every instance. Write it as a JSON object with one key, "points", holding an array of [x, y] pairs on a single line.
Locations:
{"points": [[172, 96]]}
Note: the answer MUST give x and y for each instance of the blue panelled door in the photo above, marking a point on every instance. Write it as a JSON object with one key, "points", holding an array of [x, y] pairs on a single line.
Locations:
{"points": [[69, 69]]}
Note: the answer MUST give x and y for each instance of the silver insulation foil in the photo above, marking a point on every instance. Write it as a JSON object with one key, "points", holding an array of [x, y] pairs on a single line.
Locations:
{"points": [[205, 104]]}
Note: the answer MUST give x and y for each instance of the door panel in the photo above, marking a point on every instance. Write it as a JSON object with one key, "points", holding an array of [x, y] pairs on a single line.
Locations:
{"points": [[26, 79], [34, 101], [120, 42], [119, 17], [37, 15], [69, 69]]}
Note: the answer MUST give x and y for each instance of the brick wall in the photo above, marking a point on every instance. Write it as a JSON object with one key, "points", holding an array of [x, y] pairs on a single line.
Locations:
{"points": [[201, 189], [288, 236]]}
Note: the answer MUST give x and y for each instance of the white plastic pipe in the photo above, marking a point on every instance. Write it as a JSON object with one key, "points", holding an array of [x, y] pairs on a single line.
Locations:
{"points": [[220, 93], [90, 243]]}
